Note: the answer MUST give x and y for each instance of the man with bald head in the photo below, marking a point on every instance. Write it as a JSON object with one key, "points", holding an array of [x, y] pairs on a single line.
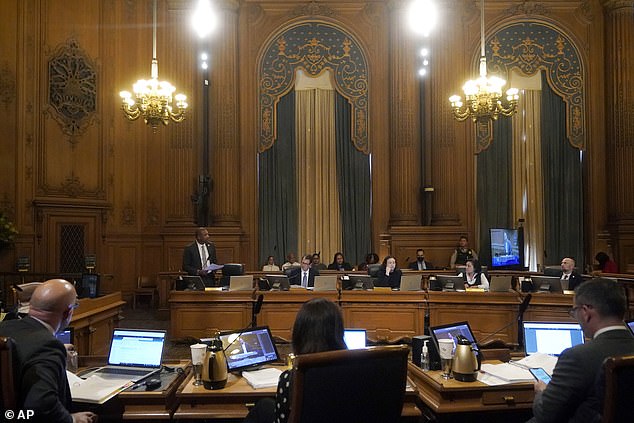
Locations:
{"points": [[41, 359], [568, 273]]}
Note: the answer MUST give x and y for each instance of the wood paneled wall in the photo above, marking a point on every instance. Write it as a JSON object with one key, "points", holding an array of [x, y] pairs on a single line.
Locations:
{"points": [[136, 184]]}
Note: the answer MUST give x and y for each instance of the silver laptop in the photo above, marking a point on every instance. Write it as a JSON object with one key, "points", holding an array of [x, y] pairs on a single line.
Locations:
{"points": [[325, 283], [410, 282], [500, 283], [134, 354], [241, 283]]}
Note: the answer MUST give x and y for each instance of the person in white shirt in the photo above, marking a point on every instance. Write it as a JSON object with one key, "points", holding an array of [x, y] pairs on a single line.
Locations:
{"points": [[270, 265], [474, 278], [305, 275], [291, 261]]}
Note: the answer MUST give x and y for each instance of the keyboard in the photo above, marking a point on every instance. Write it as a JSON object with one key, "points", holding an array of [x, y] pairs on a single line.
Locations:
{"points": [[116, 371]]}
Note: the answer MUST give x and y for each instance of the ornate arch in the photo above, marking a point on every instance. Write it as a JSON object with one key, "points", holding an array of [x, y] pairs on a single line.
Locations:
{"points": [[314, 47], [533, 46]]}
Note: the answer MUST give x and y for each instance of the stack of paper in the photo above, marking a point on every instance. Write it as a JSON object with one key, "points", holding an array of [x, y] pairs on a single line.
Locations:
{"points": [[264, 378], [517, 371], [95, 389], [508, 372]]}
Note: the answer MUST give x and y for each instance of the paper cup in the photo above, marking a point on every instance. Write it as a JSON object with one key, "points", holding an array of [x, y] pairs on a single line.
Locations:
{"points": [[198, 353], [445, 348]]}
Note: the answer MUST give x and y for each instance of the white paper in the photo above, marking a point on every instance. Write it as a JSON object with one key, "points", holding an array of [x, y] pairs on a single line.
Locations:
{"points": [[508, 372], [95, 389], [264, 378], [545, 361]]}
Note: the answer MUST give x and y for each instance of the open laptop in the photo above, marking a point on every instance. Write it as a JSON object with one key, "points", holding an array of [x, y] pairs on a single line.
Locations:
{"points": [[500, 283], [325, 283], [410, 282], [451, 331], [241, 283], [134, 354], [551, 337], [354, 338], [249, 348], [630, 325]]}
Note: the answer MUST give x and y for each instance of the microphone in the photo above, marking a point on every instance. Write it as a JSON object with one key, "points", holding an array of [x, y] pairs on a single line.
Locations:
{"points": [[407, 259], [258, 304], [524, 306], [520, 315]]}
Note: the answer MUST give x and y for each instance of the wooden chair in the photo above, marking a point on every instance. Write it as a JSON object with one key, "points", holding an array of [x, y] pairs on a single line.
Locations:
{"points": [[8, 400], [145, 287], [22, 294], [619, 389], [366, 385]]}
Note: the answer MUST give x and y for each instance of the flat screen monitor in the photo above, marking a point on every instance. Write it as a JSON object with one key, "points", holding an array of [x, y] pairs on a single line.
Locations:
{"points": [[190, 283], [357, 282], [450, 282], [547, 284], [451, 331], [89, 287], [65, 336], [233, 269], [249, 348], [506, 248], [630, 325], [374, 269], [354, 338], [551, 337], [278, 282]]}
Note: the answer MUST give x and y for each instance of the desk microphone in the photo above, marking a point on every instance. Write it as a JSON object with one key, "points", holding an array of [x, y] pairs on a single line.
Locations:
{"points": [[256, 310], [520, 317]]}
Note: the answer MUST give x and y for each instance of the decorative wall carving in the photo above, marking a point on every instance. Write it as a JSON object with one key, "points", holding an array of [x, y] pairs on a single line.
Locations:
{"points": [[531, 47], [313, 47], [7, 85], [128, 215], [72, 89]]}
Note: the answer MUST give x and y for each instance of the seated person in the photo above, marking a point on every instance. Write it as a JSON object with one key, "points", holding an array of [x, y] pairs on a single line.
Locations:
{"points": [[338, 263], [420, 263], [370, 258], [389, 275], [317, 264], [606, 264], [318, 327], [40, 358], [569, 273], [291, 261], [474, 278], [270, 265], [304, 275]]}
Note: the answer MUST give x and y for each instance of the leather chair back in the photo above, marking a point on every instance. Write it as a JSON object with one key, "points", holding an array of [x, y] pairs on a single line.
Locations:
{"points": [[8, 400]]}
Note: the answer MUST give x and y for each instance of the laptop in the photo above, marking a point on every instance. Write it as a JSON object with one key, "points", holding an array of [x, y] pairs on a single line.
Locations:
{"points": [[410, 282], [451, 331], [354, 338], [357, 282], [249, 348], [630, 325], [551, 337], [278, 282], [500, 283], [547, 284], [325, 283], [135, 354], [241, 283], [65, 336]]}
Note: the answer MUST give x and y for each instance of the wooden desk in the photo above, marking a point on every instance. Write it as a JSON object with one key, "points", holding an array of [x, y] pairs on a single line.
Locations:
{"points": [[451, 400], [235, 399], [93, 322]]}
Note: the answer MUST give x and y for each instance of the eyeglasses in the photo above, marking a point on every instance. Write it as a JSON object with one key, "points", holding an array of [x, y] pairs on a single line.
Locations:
{"points": [[573, 311], [75, 305]]}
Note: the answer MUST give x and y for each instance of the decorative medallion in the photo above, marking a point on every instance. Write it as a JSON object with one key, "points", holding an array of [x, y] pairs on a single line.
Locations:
{"points": [[314, 47], [531, 47], [7, 85], [72, 88]]}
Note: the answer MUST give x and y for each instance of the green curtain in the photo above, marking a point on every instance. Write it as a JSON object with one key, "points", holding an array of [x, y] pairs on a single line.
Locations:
{"points": [[353, 174], [563, 189], [278, 195], [494, 185]]}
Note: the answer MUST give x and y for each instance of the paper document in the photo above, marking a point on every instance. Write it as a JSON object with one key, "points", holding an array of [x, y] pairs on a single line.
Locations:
{"points": [[264, 378], [95, 389], [213, 267], [508, 372], [545, 361]]}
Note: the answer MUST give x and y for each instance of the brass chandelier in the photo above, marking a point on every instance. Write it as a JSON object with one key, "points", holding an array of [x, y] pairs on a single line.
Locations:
{"points": [[152, 99], [483, 96]]}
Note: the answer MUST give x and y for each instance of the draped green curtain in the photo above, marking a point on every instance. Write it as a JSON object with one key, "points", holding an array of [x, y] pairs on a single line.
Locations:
{"points": [[563, 191], [494, 185], [278, 194], [353, 173]]}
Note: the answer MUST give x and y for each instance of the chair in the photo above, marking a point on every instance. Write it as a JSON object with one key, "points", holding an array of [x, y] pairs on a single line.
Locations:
{"points": [[22, 295], [619, 390], [8, 400], [365, 385], [145, 287]]}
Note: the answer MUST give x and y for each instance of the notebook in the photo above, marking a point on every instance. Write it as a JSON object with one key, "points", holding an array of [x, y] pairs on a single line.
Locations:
{"points": [[630, 324], [241, 283], [134, 354], [325, 283], [354, 338], [551, 337], [410, 282], [249, 348]]}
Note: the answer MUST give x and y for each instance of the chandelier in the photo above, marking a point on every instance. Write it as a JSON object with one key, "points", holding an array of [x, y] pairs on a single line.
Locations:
{"points": [[483, 96], [152, 99]]}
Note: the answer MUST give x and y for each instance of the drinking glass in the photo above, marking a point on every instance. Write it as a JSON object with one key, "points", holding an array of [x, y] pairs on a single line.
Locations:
{"points": [[446, 349], [198, 355]]}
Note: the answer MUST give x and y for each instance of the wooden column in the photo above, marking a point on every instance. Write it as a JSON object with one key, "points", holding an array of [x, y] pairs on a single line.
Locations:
{"points": [[223, 115], [619, 92], [405, 142]]}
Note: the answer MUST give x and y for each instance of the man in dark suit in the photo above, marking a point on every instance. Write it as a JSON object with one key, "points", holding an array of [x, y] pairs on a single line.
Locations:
{"points": [[573, 394], [568, 273], [198, 255], [305, 275], [420, 263], [40, 369]]}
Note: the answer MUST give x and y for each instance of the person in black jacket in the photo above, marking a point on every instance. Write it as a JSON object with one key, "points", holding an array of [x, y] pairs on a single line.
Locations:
{"points": [[40, 369], [389, 275], [420, 263], [568, 273], [339, 263]]}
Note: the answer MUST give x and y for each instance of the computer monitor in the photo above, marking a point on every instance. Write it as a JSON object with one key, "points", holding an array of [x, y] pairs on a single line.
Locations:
{"points": [[450, 282], [630, 325], [89, 286], [190, 283], [357, 282], [551, 337], [374, 269], [506, 248], [547, 284], [278, 282], [451, 331], [230, 269], [66, 336], [249, 348], [354, 338]]}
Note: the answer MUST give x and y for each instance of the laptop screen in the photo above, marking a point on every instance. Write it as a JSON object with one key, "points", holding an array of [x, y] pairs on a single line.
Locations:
{"points": [[630, 324], [451, 331], [551, 337], [249, 348], [354, 338], [65, 336], [136, 348]]}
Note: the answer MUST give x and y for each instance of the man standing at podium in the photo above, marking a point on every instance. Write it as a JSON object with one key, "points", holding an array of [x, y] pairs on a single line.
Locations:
{"points": [[572, 394], [198, 255]]}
